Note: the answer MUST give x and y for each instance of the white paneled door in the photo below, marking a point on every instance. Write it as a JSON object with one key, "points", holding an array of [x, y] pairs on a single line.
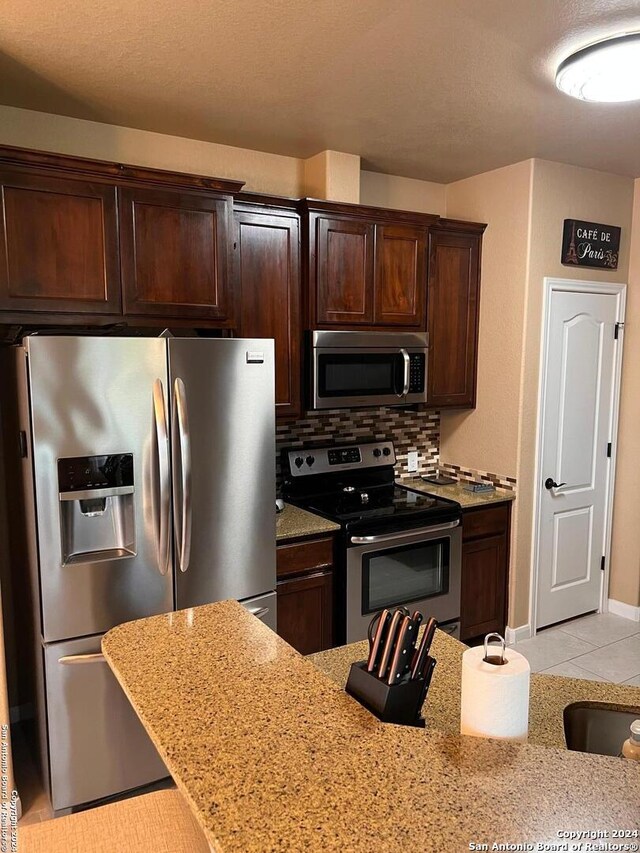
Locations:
{"points": [[579, 390]]}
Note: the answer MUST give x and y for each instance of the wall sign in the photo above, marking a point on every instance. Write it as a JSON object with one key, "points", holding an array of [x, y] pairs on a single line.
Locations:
{"points": [[590, 244]]}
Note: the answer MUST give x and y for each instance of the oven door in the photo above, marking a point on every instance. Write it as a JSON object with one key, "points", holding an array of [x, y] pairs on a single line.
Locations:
{"points": [[380, 376], [420, 569]]}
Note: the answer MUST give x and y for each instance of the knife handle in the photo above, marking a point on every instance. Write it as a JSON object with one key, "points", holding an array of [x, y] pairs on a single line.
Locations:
{"points": [[421, 655], [389, 643], [428, 675], [400, 653], [376, 638]]}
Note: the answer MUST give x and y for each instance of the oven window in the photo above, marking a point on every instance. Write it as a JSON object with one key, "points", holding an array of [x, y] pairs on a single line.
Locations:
{"points": [[358, 375], [402, 575]]}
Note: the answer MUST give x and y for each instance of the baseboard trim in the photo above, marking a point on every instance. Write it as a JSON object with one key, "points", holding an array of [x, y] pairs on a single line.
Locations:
{"points": [[627, 611], [514, 635], [17, 713]]}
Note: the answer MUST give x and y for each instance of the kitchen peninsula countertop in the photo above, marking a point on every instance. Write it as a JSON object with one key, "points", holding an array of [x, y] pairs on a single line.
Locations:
{"points": [[295, 523], [457, 492], [549, 694], [272, 755]]}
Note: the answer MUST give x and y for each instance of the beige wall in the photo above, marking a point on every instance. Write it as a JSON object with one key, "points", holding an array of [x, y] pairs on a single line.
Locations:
{"points": [[334, 175], [263, 172], [487, 437], [559, 192], [399, 193], [524, 206], [625, 547]]}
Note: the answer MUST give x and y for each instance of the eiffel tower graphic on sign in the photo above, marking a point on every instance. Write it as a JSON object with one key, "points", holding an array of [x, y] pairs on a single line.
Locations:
{"points": [[572, 256]]}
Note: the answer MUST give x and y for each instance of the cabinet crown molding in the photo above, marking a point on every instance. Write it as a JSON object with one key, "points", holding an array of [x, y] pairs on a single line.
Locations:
{"points": [[460, 225], [119, 173], [360, 211]]}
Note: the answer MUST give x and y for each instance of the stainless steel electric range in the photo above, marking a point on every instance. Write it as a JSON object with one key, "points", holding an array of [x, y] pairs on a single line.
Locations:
{"points": [[397, 546]]}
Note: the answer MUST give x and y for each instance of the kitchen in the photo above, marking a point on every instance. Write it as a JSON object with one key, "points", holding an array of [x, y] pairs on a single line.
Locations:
{"points": [[369, 348]]}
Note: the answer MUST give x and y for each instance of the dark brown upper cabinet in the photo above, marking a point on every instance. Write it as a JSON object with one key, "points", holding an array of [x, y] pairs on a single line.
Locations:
{"points": [[453, 312], [86, 238], [401, 275], [366, 267], [267, 277], [58, 245], [175, 254], [344, 271]]}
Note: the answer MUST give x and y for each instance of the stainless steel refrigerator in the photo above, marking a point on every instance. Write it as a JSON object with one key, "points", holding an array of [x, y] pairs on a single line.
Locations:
{"points": [[151, 486]]}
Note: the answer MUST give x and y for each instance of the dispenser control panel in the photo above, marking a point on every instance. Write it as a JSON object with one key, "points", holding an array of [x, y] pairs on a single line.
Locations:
{"points": [[81, 473]]}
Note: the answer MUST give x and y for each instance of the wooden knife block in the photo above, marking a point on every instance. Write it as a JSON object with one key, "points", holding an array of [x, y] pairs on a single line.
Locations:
{"points": [[400, 703]]}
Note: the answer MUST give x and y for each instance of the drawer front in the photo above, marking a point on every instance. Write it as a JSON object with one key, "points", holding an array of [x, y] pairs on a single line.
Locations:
{"points": [[304, 556], [97, 744], [485, 522]]}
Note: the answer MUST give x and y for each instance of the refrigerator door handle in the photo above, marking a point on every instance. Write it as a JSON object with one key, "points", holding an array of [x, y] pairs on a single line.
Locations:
{"points": [[95, 657], [162, 441], [258, 611], [183, 514]]}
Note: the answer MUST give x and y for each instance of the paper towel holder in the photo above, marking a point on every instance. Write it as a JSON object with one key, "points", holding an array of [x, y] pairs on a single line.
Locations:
{"points": [[496, 660]]}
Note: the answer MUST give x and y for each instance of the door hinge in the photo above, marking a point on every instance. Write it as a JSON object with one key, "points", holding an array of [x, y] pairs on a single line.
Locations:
{"points": [[609, 450], [22, 444], [616, 330], [602, 563]]}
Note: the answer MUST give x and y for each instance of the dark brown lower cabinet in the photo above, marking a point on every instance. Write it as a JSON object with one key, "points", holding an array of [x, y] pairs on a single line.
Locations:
{"points": [[305, 594], [305, 612], [485, 570]]}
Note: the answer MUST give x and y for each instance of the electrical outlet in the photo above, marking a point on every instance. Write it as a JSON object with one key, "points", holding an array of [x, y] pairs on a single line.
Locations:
{"points": [[412, 460]]}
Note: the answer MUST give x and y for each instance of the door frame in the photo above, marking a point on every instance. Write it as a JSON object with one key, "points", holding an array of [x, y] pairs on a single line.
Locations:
{"points": [[551, 285]]}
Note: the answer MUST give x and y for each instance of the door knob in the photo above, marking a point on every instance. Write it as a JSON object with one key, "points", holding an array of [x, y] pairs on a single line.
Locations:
{"points": [[550, 483]]}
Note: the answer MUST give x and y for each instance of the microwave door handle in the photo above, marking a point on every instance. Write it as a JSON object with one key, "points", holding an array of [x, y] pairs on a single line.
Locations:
{"points": [[407, 373], [392, 537]]}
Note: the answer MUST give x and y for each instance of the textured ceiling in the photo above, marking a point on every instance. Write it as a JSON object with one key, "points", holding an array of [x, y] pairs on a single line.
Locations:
{"points": [[433, 89]]}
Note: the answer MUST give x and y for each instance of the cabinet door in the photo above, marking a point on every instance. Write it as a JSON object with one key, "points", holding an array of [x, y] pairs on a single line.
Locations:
{"points": [[400, 280], [453, 308], [267, 259], [305, 612], [484, 582], [343, 271], [174, 250], [58, 245]]}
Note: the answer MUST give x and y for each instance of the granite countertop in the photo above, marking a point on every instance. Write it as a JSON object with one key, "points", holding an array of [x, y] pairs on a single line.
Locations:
{"points": [[457, 493], [549, 694], [293, 523], [272, 755]]}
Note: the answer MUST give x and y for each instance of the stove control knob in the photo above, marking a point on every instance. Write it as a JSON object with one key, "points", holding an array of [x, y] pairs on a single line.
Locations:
{"points": [[386, 451], [310, 460], [299, 460], [364, 497], [377, 452]]}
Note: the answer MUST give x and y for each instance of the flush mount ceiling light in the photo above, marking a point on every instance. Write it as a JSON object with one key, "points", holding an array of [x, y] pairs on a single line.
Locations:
{"points": [[607, 71]]}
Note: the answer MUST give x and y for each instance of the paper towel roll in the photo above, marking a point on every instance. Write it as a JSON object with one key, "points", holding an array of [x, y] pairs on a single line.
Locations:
{"points": [[495, 699]]}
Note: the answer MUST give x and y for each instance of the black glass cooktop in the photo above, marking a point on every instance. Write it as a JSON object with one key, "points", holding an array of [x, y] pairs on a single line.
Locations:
{"points": [[389, 501]]}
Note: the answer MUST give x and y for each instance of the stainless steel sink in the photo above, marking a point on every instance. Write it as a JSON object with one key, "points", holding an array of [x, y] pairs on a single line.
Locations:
{"points": [[597, 727]]}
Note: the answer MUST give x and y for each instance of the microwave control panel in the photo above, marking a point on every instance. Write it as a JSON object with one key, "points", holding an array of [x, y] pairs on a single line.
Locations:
{"points": [[416, 372]]}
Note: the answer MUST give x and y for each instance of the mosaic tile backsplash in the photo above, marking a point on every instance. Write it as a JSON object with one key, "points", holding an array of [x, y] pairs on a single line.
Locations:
{"points": [[409, 430], [473, 475]]}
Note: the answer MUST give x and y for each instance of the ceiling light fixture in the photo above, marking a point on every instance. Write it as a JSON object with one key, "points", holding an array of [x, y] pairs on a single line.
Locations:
{"points": [[607, 71]]}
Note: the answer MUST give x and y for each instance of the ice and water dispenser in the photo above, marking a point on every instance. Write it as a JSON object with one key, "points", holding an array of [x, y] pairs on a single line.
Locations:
{"points": [[96, 508]]}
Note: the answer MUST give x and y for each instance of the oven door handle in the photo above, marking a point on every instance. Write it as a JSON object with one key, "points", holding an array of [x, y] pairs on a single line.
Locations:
{"points": [[392, 537]]}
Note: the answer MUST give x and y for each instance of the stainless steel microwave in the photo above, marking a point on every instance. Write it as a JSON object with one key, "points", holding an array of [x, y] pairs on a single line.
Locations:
{"points": [[368, 369]]}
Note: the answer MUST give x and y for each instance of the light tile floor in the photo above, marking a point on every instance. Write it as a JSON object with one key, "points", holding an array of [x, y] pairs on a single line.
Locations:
{"points": [[598, 647]]}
